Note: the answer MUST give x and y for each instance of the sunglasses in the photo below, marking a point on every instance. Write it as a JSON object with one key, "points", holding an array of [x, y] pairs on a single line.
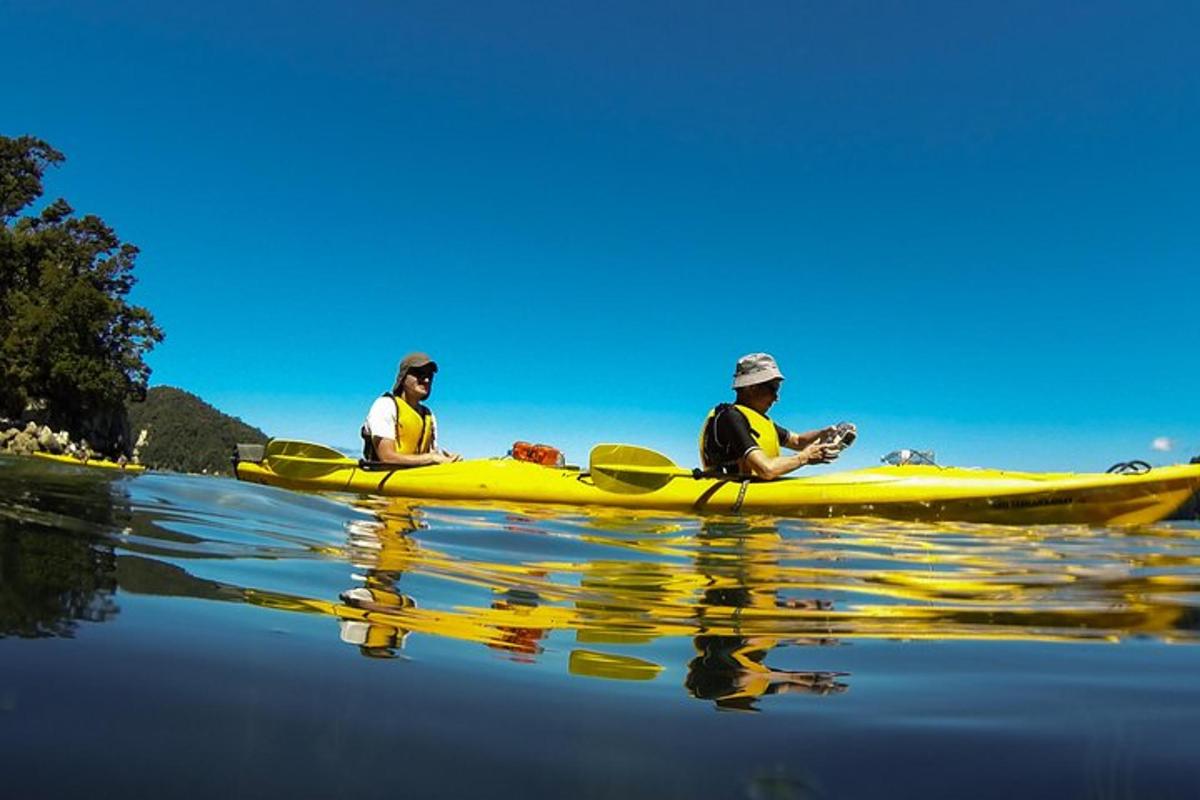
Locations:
{"points": [[422, 374]]}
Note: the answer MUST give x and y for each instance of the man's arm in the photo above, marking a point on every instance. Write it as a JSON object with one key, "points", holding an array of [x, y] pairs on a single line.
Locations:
{"points": [[763, 466], [799, 441], [385, 449]]}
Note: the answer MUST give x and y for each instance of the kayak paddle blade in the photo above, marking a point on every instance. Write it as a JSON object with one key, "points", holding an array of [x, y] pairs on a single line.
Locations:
{"points": [[293, 447], [297, 460], [629, 469], [611, 666]]}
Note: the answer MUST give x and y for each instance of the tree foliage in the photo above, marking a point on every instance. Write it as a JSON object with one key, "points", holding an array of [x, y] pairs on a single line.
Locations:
{"points": [[70, 342], [186, 434]]}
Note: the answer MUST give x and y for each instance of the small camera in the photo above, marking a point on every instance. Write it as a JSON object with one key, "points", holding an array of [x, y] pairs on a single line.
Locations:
{"points": [[842, 436]]}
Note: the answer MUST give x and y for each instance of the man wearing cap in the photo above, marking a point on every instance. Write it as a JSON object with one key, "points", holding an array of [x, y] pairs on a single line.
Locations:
{"points": [[739, 439], [400, 429]]}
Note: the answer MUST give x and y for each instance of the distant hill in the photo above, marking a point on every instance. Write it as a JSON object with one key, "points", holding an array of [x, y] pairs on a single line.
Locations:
{"points": [[186, 434]]}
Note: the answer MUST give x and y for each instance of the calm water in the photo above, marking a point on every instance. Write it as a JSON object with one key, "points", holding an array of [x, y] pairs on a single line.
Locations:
{"points": [[182, 636]]}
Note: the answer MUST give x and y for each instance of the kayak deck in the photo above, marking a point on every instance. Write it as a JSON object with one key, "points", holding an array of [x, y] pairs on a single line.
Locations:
{"points": [[909, 492]]}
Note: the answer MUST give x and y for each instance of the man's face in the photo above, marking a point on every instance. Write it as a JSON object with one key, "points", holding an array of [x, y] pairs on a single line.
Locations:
{"points": [[767, 393], [418, 382]]}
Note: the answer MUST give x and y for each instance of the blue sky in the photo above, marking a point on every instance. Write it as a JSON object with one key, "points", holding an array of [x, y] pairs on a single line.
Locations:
{"points": [[966, 228]]}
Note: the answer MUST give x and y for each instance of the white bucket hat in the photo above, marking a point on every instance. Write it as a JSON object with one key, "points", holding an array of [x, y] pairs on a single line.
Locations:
{"points": [[754, 369]]}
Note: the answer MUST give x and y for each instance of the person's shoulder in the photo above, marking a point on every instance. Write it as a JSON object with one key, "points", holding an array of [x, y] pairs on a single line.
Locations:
{"points": [[383, 399], [728, 410], [383, 404], [729, 414]]}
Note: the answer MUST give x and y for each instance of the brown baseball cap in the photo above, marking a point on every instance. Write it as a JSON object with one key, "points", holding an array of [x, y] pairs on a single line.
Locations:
{"points": [[754, 369], [413, 361]]}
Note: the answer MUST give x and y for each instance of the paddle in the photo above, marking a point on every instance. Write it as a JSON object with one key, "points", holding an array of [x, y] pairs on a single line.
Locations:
{"points": [[629, 469], [298, 460], [297, 449]]}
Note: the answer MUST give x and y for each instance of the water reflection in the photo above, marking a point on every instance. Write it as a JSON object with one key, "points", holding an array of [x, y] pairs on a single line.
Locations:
{"points": [[49, 582], [733, 567], [741, 563], [765, 603], [739, 587], [54, 570], [515, 621], [383, 553]]}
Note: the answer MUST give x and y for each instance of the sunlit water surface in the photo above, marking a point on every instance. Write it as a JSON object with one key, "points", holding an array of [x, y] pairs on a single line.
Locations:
{"points": [[182, 636]]}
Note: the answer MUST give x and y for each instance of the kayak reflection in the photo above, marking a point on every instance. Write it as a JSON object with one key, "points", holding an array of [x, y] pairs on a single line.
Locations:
{"points": [[742, 564], [632, 579], [714, 587], [382, 551]]}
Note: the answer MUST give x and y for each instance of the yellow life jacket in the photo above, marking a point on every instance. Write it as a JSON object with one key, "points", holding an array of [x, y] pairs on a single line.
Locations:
{"points": [[761, 428], [414, 430]]}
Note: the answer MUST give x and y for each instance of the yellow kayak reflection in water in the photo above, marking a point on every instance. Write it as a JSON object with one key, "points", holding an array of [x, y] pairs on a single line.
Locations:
{"points": [[739, 588]]}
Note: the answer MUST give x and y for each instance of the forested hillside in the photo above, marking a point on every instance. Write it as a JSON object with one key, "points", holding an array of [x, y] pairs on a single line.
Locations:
{"points": [[186, 434]]}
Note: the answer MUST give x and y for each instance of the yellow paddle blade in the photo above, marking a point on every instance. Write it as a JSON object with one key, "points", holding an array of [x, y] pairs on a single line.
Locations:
{"points": [[628, 456], [611, 666], [293, 447], [629, 469], [303, 460]]}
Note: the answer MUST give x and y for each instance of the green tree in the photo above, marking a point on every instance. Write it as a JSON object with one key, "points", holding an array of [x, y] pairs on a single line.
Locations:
{"points": [[71, 344]]}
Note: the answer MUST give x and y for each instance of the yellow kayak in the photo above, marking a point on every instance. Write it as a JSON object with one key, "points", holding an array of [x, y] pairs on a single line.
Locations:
{"points": [[624, 476], [98, 463]]}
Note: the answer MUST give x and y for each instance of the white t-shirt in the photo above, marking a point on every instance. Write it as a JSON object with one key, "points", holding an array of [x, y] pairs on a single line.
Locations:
{"points": [[381, 420]]}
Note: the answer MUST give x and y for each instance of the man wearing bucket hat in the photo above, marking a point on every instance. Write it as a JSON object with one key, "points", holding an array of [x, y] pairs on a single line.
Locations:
{"points": [[400, 428], [739, 439]]}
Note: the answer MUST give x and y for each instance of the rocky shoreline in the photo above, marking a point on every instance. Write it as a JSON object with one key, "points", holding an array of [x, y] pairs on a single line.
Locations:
{"points": [[30, 438]]}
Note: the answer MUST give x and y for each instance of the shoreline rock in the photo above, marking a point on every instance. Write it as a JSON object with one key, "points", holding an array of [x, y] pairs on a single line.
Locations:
{"points": [[31, 438]]}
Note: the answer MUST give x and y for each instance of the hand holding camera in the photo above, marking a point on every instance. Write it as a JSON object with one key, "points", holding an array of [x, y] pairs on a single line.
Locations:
{"points": [[840, 436]]}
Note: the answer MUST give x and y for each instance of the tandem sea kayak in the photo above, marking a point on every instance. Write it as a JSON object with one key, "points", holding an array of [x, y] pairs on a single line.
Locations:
{"points": [[625, 476]]}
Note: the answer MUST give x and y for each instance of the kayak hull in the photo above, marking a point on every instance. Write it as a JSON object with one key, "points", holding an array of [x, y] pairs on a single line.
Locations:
{"points": [[910, 492], [95, 463]]}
